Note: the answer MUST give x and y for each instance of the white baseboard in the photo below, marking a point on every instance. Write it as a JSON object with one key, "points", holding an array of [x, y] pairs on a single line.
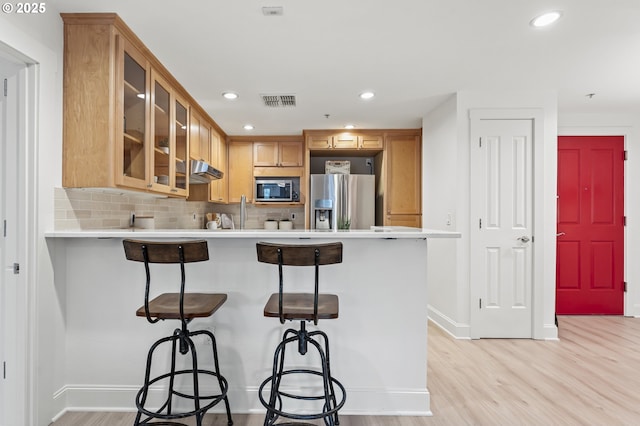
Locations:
{"points": [[458, 331], [396, 402], [635, 311]]}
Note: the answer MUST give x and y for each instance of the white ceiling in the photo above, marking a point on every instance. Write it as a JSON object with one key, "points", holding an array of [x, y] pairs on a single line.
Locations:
{"points": [[412, 53]]}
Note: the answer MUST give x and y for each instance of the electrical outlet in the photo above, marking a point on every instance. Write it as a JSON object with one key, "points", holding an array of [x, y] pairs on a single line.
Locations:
{"points": [[195, 216], [132, 219], [292, 216]]}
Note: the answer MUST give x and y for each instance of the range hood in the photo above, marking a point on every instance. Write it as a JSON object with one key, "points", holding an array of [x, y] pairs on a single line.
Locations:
{"points": [[201, 172]]}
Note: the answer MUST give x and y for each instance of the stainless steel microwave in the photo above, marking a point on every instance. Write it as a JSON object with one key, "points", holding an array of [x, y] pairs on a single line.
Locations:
{"points": [[273, 190]]}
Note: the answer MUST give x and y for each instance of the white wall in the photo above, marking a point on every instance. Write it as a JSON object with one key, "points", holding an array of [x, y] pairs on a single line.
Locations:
{"points": [[626, 124], [440, 176], [39, 39], [454, 315]]}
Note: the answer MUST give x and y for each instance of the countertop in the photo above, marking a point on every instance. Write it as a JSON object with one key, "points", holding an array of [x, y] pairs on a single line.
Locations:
{"points": [[383, 232]]}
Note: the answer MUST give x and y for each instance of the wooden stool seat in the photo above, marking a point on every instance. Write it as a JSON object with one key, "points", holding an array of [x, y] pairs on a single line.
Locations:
{"points": [[196, 305], [299, 306]]}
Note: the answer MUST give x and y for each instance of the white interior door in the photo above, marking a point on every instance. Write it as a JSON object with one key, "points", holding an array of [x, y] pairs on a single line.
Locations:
{"points": [[12, 383], [501, 231]]}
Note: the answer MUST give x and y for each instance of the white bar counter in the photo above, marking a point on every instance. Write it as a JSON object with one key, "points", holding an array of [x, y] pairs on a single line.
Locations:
{"points": [[378, 344]]}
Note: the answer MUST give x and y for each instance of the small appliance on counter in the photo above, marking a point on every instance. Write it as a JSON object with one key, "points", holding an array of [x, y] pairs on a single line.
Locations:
{"points": [[144, 222], [285, 225], [270, 225], [221, 220]]}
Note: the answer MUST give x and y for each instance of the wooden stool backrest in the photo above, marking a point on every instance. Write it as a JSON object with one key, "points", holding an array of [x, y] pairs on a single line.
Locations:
{"points": [[166, 252], [300, 255]]}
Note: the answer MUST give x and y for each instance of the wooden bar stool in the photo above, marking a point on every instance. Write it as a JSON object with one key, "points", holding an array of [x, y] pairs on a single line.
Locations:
{"points": [[183, 307], [303, 307]]}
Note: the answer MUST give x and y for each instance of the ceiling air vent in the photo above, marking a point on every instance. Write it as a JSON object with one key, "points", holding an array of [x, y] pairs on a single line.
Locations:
{"points": [[279, 101]]}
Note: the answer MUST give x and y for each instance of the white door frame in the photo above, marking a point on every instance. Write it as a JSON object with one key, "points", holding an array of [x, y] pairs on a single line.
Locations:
{"points": [[19, 192], [537, 117]]}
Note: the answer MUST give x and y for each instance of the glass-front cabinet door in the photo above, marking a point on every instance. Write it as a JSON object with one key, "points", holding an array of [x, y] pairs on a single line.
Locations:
{"points": [[181, 147], [169, 126], [131, 164], [161, 134]]}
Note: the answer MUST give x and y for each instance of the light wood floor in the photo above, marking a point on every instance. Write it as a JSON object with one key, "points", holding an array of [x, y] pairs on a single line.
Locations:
{"points": [[591, 376]]}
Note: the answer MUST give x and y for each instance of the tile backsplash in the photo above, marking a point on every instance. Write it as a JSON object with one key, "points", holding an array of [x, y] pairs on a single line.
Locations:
{"points": [[107, 209]]}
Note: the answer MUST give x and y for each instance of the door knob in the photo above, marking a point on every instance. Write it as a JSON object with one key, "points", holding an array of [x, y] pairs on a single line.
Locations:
{"points": [[560, 234], [524, 239]]}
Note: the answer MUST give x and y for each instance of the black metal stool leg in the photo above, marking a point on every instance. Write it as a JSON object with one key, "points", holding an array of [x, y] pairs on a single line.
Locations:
{"points": [[144, 391], [330, 405], [328, 363], [216, 365], [183, 342]]}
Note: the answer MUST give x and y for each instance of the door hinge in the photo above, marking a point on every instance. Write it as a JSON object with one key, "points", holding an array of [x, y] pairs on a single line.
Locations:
{"points": [[626, 155], [4, 369], [480, 302], [625, 286], [16, 268], [624, 221], [5, 87], [480, 142], [480, 223], [4, 228]]}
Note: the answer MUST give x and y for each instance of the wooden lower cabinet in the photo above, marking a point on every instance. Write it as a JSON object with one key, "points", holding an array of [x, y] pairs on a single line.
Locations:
{"points": [[411, 220]]}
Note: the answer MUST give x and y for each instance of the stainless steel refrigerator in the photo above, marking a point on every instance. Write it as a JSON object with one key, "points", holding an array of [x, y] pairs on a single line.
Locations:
{"points": [[341, 201]]}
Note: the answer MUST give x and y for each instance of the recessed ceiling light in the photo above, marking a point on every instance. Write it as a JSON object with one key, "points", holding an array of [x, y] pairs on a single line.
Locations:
{"points": [[367, 95], [546, 19], [248, 127], [349, 126], [230, 95]]}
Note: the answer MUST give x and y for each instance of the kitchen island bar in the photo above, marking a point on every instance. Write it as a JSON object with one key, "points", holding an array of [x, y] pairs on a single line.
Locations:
{"points": [[379, 341]]}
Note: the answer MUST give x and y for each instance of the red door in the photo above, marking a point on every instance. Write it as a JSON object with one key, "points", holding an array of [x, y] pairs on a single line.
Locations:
{"points": [[590, 243]]}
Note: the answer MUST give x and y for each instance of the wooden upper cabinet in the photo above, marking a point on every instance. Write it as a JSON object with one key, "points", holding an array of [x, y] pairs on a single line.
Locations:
{"points": [[132, 147], [277, 154], [345, 141], [240, 170], [265, 154], [219, 189], [105, 108], [169, 119], [374, 142], [319, 141], [290, 154], [126, 120], [199, 138]]}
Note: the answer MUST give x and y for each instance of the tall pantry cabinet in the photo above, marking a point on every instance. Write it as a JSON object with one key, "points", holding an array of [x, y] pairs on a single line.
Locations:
{"points": [[125, 117]]}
